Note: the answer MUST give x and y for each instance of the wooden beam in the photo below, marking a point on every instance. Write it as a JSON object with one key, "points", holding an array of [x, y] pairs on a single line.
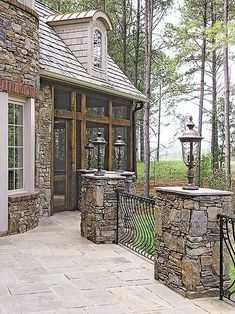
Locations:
{"points": [[74, 125], [78, 116], [121, 122], [83, 131], [110, 144], [97, 119], [63, 114]]}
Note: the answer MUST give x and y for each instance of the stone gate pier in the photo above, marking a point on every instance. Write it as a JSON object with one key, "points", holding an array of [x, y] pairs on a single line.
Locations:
{"points": [[98, 204], [187, 239]]}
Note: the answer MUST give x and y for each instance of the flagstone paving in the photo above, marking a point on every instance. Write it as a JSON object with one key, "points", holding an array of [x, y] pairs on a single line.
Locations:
{"points": [[52, 269]]}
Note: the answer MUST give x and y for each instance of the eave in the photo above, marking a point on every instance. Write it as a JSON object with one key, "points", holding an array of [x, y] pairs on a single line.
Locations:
{"points": [[100, 88]]}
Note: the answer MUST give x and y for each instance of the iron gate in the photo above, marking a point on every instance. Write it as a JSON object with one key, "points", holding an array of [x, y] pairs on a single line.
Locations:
{"points": [[136, 223], [227, 265]]}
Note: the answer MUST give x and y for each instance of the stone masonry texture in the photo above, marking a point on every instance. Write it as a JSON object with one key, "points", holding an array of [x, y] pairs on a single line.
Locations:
{"points": [[23, 213], [19, 46], [187, 242], [99, 206], [19, 75], [44, 139]]}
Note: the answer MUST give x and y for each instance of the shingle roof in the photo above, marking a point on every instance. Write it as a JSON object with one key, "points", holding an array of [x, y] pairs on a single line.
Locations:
{"points": [[56, 58]]}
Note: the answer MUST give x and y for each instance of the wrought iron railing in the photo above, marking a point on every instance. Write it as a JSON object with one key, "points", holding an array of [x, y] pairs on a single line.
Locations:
{"points": [[227, 257], [136, 224]]}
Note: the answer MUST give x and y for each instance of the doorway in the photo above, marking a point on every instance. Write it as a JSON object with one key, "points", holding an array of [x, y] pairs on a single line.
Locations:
{"points": [[63, 179]]}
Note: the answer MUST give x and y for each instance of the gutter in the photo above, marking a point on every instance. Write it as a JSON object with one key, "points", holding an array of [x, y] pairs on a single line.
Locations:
{"points": [[138, 106], [105, 89]]}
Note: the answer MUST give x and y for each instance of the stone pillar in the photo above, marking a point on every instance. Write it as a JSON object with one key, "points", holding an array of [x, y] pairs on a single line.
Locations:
{"points": [[187, 239], [98, 204]]}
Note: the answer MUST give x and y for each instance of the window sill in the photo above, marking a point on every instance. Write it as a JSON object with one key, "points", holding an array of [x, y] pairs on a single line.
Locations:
{"points": [[13, 198]]}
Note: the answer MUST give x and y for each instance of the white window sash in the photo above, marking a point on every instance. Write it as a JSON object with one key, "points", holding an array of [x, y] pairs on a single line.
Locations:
{"points": [[28, 145]]}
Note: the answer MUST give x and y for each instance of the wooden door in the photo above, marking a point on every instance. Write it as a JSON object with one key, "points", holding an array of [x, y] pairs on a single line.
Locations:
{"points": [[62, 166]]}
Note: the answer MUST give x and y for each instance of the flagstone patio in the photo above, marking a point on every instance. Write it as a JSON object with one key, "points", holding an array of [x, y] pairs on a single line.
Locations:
{"points": [[52, 269]]}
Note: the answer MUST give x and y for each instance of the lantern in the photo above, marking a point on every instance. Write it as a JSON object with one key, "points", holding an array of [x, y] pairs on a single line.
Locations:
{"points": [[89, 153], [190, 141], [99, 144], [119, 149]]}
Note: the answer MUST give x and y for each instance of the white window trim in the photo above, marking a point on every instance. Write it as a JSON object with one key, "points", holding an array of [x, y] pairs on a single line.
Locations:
{"points": [[4, 162], [28, 144], [20, 102]]}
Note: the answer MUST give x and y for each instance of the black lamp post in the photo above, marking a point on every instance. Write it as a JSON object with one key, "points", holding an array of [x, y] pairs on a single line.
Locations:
{"points": [[99, 144], [190, 141], [89, 153], [119, 149]]}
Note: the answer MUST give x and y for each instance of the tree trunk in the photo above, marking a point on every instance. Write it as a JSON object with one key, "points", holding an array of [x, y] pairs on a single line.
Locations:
{"points": [[159, 121], [202, 86], [148, 62], [141, 137], [214, 122], [124, 25], [226, 101], [137, 46]]}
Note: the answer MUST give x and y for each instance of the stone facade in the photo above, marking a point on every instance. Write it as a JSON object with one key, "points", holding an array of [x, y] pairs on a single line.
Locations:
{"points": [[19, 48], [19, 75], [44, 138], [99, 205], [187, 239], [23, 212]]}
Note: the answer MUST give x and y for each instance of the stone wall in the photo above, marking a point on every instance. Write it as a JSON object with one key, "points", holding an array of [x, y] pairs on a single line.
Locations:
{"points": [[19, 48], [23, 212], [99, 205], [187, 239], [44, 148]]}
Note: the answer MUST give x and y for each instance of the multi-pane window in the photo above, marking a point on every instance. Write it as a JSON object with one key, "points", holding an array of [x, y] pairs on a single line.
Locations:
{"points": [[15, 146], [97, 49]]}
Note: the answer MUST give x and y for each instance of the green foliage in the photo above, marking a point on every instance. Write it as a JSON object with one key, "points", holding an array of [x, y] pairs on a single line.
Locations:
{"points": [[173, 170], [209, 179], [217, 180], [205, 169]]}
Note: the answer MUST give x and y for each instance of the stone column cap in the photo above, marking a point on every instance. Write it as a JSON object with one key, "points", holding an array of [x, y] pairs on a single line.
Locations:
{"points": [[86, 171], [199, 192], [106, 176]]}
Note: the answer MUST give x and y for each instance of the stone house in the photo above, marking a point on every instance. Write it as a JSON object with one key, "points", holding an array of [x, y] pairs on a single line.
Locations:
{"points": [[57, 87]]}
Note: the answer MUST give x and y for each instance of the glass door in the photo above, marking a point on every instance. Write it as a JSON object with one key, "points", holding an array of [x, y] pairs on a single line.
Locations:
{"points": [[62, 165]]}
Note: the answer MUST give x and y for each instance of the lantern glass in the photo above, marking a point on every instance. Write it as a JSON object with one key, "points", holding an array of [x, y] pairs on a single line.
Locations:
{"points": [[190, 141], [190, 149], [119, 152], [99, 144]]}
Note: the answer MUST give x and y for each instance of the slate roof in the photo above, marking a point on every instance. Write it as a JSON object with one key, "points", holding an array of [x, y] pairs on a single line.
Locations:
{"points": [[56, 58]]}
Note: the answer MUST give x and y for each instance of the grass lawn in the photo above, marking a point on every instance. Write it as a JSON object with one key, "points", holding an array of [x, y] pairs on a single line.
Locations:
{"points": [[172, 170], [162, 173]]}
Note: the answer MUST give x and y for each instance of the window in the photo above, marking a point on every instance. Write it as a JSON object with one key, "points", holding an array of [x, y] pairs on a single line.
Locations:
{"points": [[97, 106], [62, 98], [91, 132], [15, 146], [125, 134], [20, 119], [121, 111], [97, 40]]}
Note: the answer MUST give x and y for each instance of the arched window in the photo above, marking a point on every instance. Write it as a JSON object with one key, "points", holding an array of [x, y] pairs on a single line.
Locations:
{"points": [[97, 49]]}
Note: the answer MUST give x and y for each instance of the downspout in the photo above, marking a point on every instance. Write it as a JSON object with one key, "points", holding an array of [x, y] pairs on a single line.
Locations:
{"points": [[138, 106]]}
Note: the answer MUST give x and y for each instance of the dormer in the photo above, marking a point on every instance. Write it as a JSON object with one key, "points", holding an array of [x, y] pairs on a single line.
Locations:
{"points": [[85, 34]]}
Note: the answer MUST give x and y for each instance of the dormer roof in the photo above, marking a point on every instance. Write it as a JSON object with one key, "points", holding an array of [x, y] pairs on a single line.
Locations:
{"points": [[81, 17], [58, 62]]}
